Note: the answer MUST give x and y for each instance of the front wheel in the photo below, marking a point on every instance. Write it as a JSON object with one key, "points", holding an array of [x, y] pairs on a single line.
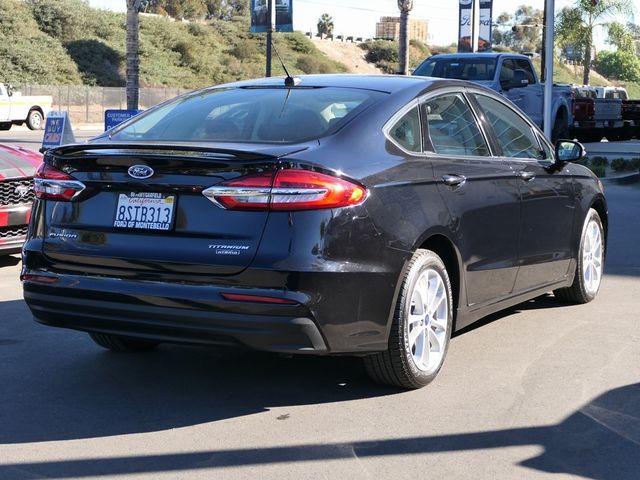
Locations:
{"points": [[35, 120], [560, 129], [118, 343], [588, 276], [421, 326]]}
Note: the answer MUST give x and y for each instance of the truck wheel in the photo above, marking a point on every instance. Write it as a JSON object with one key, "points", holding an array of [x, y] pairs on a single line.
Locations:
{"points": [[560, 129], [34, 120], [5, 126]]}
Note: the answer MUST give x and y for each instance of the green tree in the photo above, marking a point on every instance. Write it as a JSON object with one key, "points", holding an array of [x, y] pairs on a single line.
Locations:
{"points": [[621, 65], [187, 9], [620, 37], [575, 25], [522, 31], [325, 25]]}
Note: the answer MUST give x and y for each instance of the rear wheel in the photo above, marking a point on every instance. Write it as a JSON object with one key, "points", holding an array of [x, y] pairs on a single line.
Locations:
{"points": [[35, 120], [588, 276], [5, 125], [118, 343], [421, 326]]}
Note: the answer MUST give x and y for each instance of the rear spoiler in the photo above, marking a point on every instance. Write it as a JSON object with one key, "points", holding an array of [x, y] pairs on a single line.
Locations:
{"points": [[251, 152]]}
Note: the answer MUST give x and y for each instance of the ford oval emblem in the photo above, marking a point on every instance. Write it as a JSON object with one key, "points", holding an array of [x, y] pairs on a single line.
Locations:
{"points": [[140, 171]]}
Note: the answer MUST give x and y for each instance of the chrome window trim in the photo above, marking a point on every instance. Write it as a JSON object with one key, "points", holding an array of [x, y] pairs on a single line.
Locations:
{"points": [[395, 118]]}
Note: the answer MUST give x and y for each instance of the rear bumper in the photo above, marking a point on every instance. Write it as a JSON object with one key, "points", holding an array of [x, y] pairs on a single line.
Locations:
{"points": [[332, 313], [175, 314]]}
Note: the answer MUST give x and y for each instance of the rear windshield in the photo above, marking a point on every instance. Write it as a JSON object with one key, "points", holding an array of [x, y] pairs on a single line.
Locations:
{"points": [[460, 68], [261, 115]]}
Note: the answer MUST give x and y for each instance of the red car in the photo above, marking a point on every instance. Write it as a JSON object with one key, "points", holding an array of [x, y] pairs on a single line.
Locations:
{"points": [[17, 167]]}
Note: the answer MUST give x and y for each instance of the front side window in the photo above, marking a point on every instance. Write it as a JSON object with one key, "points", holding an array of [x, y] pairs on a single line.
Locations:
{"points": [[406, 131], [249, 114], [525, 65], [453, 129], [514, 134]]}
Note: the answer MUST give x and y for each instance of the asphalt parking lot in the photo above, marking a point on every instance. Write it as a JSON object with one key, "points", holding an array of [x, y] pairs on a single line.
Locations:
{"points": [[543, 390]]}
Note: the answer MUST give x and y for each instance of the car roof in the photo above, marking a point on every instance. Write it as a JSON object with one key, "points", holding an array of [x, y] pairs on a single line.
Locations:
{"points": [[480, 55], [382, 83]]}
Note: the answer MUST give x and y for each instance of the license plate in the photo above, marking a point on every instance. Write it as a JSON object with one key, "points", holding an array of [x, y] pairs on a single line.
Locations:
{"points": [[145, 211]]}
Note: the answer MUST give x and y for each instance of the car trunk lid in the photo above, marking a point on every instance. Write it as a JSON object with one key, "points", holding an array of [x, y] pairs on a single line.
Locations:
{"points": [[181, 231]]}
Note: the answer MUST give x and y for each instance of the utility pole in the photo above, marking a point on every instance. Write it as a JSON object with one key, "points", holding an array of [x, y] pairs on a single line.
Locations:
{"points": [[271, 12], [549, 12], [405, 7], [133, 54]]}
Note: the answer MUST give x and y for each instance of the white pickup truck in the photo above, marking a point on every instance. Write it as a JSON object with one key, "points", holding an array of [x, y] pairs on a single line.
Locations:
{"points": [[16, 109]]}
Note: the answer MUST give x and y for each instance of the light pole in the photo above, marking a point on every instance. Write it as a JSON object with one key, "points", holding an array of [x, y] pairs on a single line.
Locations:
{"points": [[549, 10]]}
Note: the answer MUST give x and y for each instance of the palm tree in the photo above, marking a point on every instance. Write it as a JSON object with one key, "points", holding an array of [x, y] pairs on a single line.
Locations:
{"points": [[405, 7], [133, 53], [325, 25], [575, 25]]}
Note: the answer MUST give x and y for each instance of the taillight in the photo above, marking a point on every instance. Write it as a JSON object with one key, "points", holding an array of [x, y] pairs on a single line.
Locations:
{"points": [[53, 184], [286, 190]]}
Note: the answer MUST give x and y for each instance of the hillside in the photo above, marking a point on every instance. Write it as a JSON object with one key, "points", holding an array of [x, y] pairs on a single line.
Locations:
{"points": [[68, 42], [347, 53]]}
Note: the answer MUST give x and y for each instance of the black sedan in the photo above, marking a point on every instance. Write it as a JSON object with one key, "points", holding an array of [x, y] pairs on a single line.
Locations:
{"points": [[330, 215]]}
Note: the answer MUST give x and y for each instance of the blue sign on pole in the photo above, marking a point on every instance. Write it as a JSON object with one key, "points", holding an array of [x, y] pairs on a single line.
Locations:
{"points": [[113, 118], [57, 131]]}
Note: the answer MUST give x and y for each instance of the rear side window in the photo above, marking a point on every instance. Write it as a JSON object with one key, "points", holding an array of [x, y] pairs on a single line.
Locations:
{"points": [[452, 127], [406, 131], [514, 134], [254, 115]]}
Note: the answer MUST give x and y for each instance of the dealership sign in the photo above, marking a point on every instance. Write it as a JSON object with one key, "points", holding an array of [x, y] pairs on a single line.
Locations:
{"points": [[466, 31], [114, 118], [57, 131], [260, 20]]}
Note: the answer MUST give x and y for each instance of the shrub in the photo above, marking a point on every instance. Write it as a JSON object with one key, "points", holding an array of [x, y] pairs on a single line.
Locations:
{"points": [[599, 161], [598, 170]]}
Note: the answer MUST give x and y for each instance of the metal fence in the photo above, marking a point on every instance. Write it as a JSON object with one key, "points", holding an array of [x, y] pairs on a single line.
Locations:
{"points": [[87, 104]]}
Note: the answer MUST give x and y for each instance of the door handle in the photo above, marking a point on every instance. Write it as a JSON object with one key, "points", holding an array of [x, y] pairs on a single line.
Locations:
{"points": [[527, 176], [454, 180]]}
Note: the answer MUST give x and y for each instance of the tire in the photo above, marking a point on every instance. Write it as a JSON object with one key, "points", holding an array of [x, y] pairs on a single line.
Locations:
{"points": [[588, 276], [560, 129], [404, 364], [5, 125], [35, 120], [118, 343]]}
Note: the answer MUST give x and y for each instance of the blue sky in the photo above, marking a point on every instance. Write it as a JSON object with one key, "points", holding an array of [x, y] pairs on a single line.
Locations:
{"points": [[358, 17]]}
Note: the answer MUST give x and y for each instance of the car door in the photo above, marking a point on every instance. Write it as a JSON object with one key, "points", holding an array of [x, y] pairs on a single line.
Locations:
{"points": [[516, 95], [532, 93], [481, 194], [547, 196]]}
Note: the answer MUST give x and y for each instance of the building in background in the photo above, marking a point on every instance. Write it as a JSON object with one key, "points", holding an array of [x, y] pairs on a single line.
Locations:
{"points": [[388, 28]]}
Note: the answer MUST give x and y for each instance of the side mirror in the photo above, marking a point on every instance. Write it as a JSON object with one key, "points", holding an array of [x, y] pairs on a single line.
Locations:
{"points": [[569, 151]]}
